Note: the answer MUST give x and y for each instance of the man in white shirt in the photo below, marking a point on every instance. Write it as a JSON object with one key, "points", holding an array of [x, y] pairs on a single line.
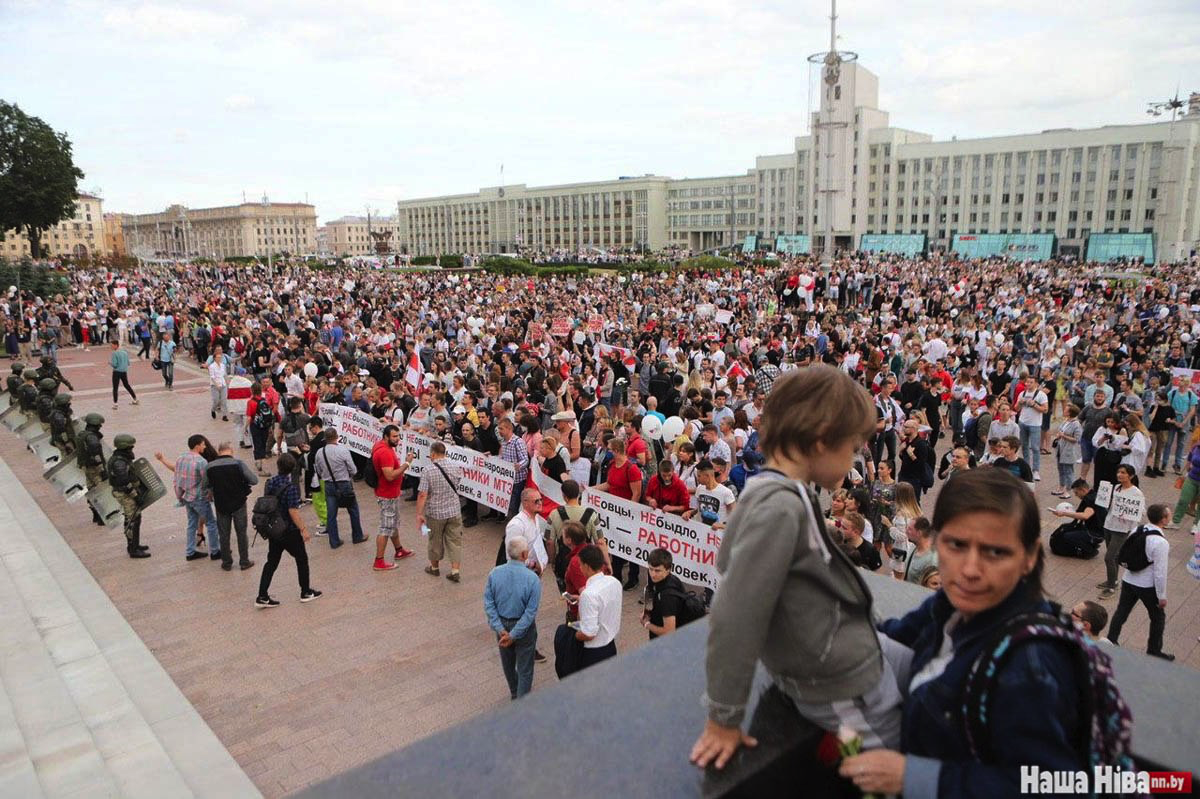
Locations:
{"points": [[525, 526], [712, 502], [1147, 585], [1033, 404], [599, 609], [218, 384]]}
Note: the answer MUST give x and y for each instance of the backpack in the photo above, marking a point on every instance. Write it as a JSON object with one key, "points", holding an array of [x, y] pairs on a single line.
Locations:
{"points": [[371, 476], [268, 518], [1133, 552], [264, 417], [971, 432], [691, 606], [1074, 541], [1105, 720]]}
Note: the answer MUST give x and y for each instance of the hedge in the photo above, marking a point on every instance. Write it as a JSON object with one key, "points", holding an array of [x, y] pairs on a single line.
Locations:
{"points": [[450, 261], [708, 263], [424, 260]]}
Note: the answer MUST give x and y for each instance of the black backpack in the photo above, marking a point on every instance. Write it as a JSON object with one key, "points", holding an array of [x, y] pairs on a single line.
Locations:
{"points": [[1133, 552], [691, 606], [1074, 541], [267, 517], [264, 417]]}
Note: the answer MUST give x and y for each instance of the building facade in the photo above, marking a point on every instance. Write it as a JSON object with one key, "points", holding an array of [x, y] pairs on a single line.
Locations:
{"points": [[627, 213], [114, 235], [249, 229], [856, 175], [80, 236], [352, 235]]}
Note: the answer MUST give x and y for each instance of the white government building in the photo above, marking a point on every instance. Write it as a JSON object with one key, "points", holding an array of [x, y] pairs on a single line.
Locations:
{"points": [[1108, 192]]}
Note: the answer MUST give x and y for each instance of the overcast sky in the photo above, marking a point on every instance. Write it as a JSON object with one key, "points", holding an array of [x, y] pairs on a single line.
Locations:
{"points": [[366, 103]]}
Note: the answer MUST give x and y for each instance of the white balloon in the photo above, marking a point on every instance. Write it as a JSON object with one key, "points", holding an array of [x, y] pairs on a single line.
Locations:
{"points": [[651, 427], [1065, 507], [672, 428], [310, 370]]}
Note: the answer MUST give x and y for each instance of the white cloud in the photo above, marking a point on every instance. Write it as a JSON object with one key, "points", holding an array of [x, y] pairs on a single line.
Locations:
{"points": [[240, 102], [164, 22]]}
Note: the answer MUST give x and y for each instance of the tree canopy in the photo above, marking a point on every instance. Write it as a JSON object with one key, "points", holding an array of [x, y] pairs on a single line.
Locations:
{"points": [[38, 178]]}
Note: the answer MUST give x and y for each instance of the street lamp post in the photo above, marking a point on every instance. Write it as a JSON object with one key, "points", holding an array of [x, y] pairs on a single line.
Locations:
{"points": [[1174, 105]]}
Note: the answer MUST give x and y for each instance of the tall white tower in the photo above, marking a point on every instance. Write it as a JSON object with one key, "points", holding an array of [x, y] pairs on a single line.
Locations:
{"points": [[833, 143]]}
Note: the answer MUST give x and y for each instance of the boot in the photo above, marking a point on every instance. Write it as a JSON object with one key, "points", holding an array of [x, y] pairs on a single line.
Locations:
{"points": [[135, 548], [96, 518]]}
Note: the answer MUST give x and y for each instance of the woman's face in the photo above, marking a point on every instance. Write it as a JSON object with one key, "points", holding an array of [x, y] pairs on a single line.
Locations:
{"points": [[981, 560]]}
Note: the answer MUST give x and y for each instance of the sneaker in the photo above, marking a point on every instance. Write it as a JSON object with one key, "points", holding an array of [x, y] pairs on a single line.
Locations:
{"points": [[115, 406], [538, 657], [454, 577], [215, 555], [403, 553], [197, 556], [266, 602], [321, 533], [1104, 585], [135, 402], [227, 567], [309, 595], [138, 553], [247, 565], [1171, 526], [430, 570], [1164, 655], [1105, 593], [382, 565], [1036, 477]]}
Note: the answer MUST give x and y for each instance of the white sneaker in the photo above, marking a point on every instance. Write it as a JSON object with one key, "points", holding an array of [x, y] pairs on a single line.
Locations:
{"points": [[1036, 477], [115, 406]]}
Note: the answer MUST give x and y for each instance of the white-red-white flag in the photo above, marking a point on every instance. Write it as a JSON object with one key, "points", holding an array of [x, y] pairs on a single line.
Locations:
{"points": [[414, 375]]}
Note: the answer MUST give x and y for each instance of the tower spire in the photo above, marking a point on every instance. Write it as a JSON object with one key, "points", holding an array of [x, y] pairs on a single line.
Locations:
{"points": [[833, 26]]}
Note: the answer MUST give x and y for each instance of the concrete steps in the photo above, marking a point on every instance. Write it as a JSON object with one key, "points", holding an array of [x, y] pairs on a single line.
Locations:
{"points": [[85, 708]]}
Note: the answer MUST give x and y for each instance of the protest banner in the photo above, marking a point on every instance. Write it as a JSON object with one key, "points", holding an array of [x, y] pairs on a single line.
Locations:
{"points": [[633, 530], [724, 317], [357, 430], [560, 326], [416, 445], [1126, 508], [485, 478], [537, 331], [595, 323]]}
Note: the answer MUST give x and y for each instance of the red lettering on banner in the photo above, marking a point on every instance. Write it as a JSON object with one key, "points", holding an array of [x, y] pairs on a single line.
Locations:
{"points": [[713, 539], [648, 516]]}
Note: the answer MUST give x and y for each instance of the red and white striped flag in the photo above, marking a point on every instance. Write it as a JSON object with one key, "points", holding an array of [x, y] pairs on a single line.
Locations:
{"points": [[735, 371], [414, 375]]}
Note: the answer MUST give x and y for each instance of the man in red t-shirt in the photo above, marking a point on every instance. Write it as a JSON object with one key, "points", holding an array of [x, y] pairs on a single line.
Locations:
{"points": [[636, 448], [666, 491], [624, 480], [389, 471]]}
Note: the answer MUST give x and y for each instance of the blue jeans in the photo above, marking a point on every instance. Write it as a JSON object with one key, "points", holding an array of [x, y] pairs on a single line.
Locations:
{"points": [[1066, 475], [517, 660], [1178, 439], [1031, 444], [332, 503], [201, 510]]}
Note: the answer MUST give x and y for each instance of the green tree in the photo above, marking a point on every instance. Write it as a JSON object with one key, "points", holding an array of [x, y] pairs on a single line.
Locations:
{"points": [[38, 178]]}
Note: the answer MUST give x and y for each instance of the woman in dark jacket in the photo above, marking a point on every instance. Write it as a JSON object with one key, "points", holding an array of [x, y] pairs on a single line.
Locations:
{"points": [[990, 559]]}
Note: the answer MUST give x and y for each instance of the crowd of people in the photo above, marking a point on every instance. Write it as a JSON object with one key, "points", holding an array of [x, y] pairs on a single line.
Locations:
{"points": [[724, 397]]}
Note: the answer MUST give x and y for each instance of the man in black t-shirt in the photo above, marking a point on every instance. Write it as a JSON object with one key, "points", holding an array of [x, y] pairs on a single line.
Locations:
{"points": [[1088, 512], [664, 595]]}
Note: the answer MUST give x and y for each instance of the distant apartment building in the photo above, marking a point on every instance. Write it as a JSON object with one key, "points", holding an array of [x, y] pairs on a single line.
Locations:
{"points": [[249, 229], [80, 236]]}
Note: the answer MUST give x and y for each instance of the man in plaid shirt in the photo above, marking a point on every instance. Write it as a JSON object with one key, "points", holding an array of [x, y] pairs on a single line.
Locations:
{"points": [[513, 450], [438, 508], [191, 489]]}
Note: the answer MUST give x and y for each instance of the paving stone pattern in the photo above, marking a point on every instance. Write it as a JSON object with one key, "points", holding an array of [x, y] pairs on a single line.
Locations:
{"points": [[302, 692]]}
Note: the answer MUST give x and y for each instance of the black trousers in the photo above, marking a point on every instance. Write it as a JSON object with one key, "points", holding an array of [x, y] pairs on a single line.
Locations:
{"points": [[121, 379], [590, 657], [1130, 596], [885, 439], [145, 348], [293, 544]]}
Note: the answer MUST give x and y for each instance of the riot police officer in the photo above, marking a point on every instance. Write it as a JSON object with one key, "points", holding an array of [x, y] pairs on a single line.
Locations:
{"points": [[62, 428], [49, 369], [28, 393], [127, 489], [89, 455], [15, 380], [45, 400]]}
